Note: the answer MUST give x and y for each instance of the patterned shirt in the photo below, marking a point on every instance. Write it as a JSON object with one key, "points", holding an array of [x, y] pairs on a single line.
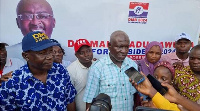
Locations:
{"points": [[187, 84], [26, 93], [106, 77]]}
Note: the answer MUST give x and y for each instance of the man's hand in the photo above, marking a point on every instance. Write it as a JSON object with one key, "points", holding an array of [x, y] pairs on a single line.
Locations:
{"points": [[171, 94], [5, 77], [144, 87]]}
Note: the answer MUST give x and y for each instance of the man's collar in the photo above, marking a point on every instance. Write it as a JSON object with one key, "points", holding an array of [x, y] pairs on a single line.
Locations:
{"points": [[109, 61]]}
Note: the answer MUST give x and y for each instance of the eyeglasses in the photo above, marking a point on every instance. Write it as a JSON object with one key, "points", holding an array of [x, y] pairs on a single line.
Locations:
{"points": [[29, 16]]}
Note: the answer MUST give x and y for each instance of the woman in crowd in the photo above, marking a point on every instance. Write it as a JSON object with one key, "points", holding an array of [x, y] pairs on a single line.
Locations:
{"points": [[59, 52], [153, 52], [164, 73], [161, 102], [172, 100]]}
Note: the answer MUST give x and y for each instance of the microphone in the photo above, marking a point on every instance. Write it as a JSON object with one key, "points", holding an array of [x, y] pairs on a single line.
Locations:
{"points": [[101, 103]]}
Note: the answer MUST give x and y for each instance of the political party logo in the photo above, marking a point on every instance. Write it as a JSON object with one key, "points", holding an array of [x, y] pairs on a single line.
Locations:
{"points": [[138, 12]]}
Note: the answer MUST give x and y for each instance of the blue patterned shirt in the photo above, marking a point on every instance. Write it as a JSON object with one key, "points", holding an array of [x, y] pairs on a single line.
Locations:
{"points": [[106, 77], [26, 93]]}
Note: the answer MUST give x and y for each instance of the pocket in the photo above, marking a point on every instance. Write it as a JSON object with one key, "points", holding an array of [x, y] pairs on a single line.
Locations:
{"points": [[109, 87]]}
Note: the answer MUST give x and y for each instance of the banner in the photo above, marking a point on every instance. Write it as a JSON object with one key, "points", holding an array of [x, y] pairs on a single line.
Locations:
{"points": [[143, 20]]}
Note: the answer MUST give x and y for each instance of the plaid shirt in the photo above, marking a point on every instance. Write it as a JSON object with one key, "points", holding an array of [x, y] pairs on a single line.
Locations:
{"points": [[106, 77]]}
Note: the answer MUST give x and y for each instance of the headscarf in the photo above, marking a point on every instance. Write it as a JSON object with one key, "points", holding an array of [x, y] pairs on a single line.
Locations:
{"points": [[167, 65], [144, 65]]}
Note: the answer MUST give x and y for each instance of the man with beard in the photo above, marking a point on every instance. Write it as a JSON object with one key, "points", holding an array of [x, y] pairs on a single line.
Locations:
{"points": [[33, 15], [78, 70], [187, 79], [179, 58], [40, 85], [7, 65], [107, 75]]}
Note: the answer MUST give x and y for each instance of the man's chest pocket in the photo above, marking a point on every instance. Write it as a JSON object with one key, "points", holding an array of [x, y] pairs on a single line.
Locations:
{"points": [[109, 87]]}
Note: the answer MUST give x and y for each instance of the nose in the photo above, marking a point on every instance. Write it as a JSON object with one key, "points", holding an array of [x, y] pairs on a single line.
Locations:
{"points": [[182, 44], [161, 81], [124, 49], [49, 56], [86, 54]]}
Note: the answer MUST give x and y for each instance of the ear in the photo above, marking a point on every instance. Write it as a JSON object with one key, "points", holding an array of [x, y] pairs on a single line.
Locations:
{"points": [[25, 56], [109, 45], [54, 22], [17, 22]]}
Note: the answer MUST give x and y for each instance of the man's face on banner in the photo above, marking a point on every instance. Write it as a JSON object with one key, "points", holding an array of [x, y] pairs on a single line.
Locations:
{"points": [[35, 15]]}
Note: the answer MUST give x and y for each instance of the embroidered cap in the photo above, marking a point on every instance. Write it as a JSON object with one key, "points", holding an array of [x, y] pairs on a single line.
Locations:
{"points": [[36, 41], [167, 65], [183, 36], [79, 43]]}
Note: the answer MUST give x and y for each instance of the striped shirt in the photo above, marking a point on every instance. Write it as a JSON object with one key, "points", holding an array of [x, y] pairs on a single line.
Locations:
{"points": [[106, 77]]}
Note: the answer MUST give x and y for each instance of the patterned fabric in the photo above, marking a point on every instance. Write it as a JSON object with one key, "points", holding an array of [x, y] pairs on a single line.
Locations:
{"points": [[24, 92], [106, 77], [187, 83], [167, 65]]}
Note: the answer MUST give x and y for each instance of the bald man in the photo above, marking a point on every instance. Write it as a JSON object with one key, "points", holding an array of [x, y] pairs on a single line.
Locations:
{"points": [[107, 75], [34, 15]]}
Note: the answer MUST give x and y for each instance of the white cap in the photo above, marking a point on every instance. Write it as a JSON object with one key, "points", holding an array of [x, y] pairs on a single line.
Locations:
{"points": [[4, 43], [183, 35]]}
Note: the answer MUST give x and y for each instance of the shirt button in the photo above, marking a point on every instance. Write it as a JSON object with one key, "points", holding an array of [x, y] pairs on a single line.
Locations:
{"points": [[29, 101], [122, 84], [125, 98]]}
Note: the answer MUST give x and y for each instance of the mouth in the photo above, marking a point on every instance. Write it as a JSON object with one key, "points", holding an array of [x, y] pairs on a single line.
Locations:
{"points": [[37, 28], [88, 59], [196, 67]]}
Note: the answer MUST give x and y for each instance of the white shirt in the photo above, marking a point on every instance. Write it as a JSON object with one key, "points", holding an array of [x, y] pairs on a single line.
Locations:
{"points": [[78, 75], [11, 65]]}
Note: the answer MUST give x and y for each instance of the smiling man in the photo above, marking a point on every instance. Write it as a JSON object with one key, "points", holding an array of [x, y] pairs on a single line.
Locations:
{"points": [[32, 15], [40, 85], [107, 75]]}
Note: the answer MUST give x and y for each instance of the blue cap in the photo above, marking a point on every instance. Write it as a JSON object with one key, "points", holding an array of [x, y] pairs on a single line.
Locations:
{"points": [[36, 41], [55, 41]]}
